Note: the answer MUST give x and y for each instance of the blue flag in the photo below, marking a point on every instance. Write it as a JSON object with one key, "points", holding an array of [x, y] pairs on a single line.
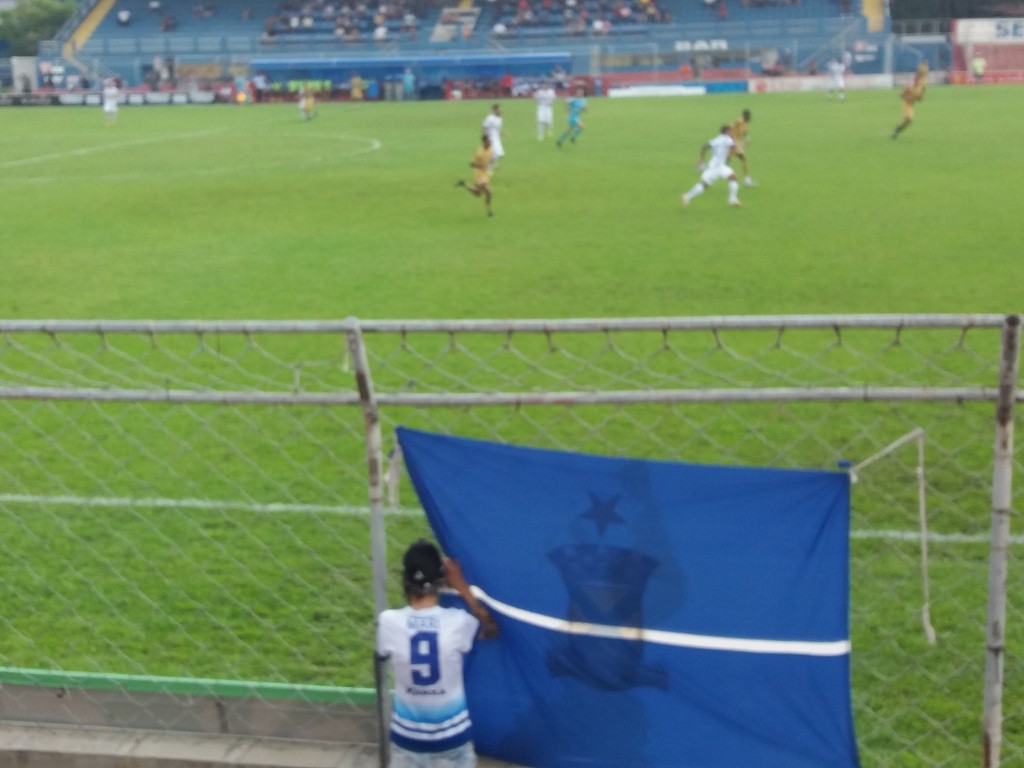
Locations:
{"points": [[652, 613]]}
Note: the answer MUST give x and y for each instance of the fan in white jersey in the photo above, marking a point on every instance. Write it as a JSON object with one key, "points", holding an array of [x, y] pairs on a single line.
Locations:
{"points": [[430, 722], [493, 130], [722, 147], [545, 98]]}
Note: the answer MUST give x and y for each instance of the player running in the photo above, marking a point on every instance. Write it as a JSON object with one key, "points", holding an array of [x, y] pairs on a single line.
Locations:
{"points": [[493, 128], [722, 147], [910, 96], [740, 135], [481, 164], [577, 106]]}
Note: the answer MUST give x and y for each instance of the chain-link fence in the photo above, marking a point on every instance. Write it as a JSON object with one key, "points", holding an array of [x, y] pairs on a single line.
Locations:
{"points": [[187, 540]]}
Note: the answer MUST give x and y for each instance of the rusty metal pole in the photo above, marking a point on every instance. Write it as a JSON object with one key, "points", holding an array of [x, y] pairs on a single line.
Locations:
{"points": [[1002, 476], [378, 538]]}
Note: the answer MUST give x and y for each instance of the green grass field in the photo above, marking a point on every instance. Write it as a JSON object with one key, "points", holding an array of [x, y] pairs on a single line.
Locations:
{"points": [[249, 213], [235, 212]]}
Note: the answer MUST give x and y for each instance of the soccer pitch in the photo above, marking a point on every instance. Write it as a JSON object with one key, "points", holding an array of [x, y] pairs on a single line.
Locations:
{"points": [[234, 212], [248, 212]]}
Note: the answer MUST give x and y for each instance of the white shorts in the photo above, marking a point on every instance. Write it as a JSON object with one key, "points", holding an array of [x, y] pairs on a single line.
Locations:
{"points": [[496, 149], [711, 175], [545, 115], [460, 757]]}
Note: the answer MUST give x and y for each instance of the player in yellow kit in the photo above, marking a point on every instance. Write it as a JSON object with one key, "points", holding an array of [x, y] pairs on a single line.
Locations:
{"points": [[481, 164], [740, 130], [912, 94]]}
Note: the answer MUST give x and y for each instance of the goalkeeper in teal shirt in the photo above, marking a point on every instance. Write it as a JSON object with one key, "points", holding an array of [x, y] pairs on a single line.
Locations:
{"points": [[577, 106]]}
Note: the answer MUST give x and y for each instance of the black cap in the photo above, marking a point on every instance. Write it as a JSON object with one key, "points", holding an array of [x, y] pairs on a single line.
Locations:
{"points": [[421, 566]]}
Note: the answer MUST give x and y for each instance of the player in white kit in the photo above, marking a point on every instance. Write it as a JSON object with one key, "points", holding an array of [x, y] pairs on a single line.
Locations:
{"points": [[111, 94], [722, 147], [545, 97], [430, 722], [493, 130], [837, 79]]}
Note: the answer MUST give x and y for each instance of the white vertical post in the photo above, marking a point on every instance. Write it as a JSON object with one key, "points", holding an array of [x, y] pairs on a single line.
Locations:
{"points": [[378, 539], [922, 515], [1002, 476]]}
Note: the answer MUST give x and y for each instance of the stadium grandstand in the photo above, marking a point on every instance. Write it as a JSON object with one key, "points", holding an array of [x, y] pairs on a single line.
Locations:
{"points": [[497, 47], [173, 43]]}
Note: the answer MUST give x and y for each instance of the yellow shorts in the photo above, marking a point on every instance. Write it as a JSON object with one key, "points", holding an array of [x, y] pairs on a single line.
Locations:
{"points": [[481, 178]]}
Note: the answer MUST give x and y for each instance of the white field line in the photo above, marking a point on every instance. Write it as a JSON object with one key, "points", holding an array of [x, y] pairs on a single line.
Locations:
{"points": [[82, 151], [368, 145], [200, 504], [344, 509]]}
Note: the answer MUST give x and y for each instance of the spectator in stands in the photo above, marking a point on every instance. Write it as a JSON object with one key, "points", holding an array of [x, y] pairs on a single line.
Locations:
{"points": [[270, 26], [499, 29], [154, 6], [247, 14], [124, 17], [409, 24], [168, 23], [380, 33]]}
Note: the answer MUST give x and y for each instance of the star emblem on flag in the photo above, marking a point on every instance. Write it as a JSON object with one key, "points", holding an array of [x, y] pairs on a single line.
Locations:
{"points": [[602, 512]]}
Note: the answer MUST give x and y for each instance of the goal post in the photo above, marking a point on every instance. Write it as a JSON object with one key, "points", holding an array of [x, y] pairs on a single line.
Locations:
{"points": [[917, 437]]}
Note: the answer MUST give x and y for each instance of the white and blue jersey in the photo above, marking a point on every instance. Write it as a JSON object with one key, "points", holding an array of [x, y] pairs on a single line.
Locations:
{"points": [[426, 648]]}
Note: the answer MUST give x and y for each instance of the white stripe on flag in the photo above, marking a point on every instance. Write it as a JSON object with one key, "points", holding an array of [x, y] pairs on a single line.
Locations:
{"points": [[664, 637]]}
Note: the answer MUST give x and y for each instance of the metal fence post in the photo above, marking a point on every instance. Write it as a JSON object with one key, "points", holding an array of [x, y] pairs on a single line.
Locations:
{"points": [[1002, 476], [378, 540]]}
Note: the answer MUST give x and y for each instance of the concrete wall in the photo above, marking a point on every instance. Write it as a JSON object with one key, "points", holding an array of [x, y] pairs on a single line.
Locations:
{"points": [[40, 746]]}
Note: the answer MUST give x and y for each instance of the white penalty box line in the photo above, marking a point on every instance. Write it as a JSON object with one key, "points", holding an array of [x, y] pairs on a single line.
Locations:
{"points": [[115, 502]]}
